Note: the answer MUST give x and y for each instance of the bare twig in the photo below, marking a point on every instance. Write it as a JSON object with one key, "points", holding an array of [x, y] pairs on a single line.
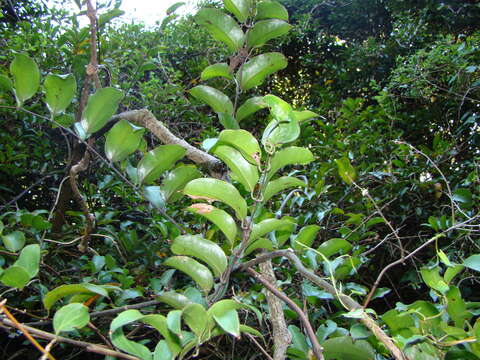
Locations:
{"points": [[317, 349]]}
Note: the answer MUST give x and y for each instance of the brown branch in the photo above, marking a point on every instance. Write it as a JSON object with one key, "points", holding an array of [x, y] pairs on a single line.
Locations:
{"points": [[147, 120], [346, 301], [317, 349], [98, 349]]}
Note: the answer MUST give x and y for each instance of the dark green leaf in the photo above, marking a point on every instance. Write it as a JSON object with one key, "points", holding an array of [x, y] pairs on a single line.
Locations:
{"points": [[122, 140], [100, 108]]}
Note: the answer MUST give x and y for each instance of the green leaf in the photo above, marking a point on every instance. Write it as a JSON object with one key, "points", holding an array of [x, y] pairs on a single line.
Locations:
{"points": [[176, 180], [196, 318], [174, 299], [343, 348], [14, 241], [346, 170], [157, 161], [217, 100], [266, 226], [122, 140], [228, 121], [285, 182], [15, 276], [432, 278], [304, 115], [6, 84], [162, 351], [64, 290], [26, 77], [100, 108], [198, 272], [243, 141], [305, 236], [292, 155], [216, 70], [159, 322], [261, 243], [333, 246], [473, 262], [271, 10], [29, 259], [104, 19], [456, 307], [250, 107], [225, 314], [174, 322], [284, 127], [239, 8], [70, 317], [59, 92], [174, 7], [155, 196], [221, 27], [254, 72], [245, 173], [464, 196], [217, 216], [118, 337], [266, 30], [203, 249], [298, 339], [249, 330], [217, 190], [452, 271]]}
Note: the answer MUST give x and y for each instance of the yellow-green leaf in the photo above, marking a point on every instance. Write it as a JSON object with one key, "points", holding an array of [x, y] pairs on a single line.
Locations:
{"points": [[250, 107], [219, 217], [216, 70], [198, 272], [122, 140], [271, 10], [266, 30], [157, 161], [59, 92], [243, 141], [100, 108], [254, 71], [239, 8], [217, 100], [70, 317], [280, 184], [26, 77]]}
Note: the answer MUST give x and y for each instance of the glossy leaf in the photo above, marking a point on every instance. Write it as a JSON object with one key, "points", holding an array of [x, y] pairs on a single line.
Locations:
{"points": [[456, 307], [250, 107], [266, 226], [59, 92], [29, 259], [431, 277], [239, 8], [118, 337], [216, 70], [228, 121], [26, 77], [162, 351], [285, 182], [452, 271], [245, 172], [203, 249], [217, 190], [122, 140], [266, 30], [174, 299], [283, 128], [343, 348], [64, 290], [334, 246], [14, 241], [70, 317], [346, 170], [292, 155], [6, 85], [195, 316], [155, 196], [225, 314], [198, 272], [473, 262], [271, 10], [306, 236], [15, 276], [222, 27], [157, 161], [254, 71], [243, 141], [217, 100], [217, 216], [176, 180], [261, 243], [100, 108], [174, 322], [304, 115]]}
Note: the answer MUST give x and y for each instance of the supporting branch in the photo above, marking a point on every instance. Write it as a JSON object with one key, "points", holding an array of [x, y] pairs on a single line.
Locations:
{"points": [[147, 120], [347, 301]]}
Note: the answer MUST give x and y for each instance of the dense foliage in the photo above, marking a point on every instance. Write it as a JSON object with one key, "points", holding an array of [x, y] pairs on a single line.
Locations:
{"points": [[348, 138]]}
